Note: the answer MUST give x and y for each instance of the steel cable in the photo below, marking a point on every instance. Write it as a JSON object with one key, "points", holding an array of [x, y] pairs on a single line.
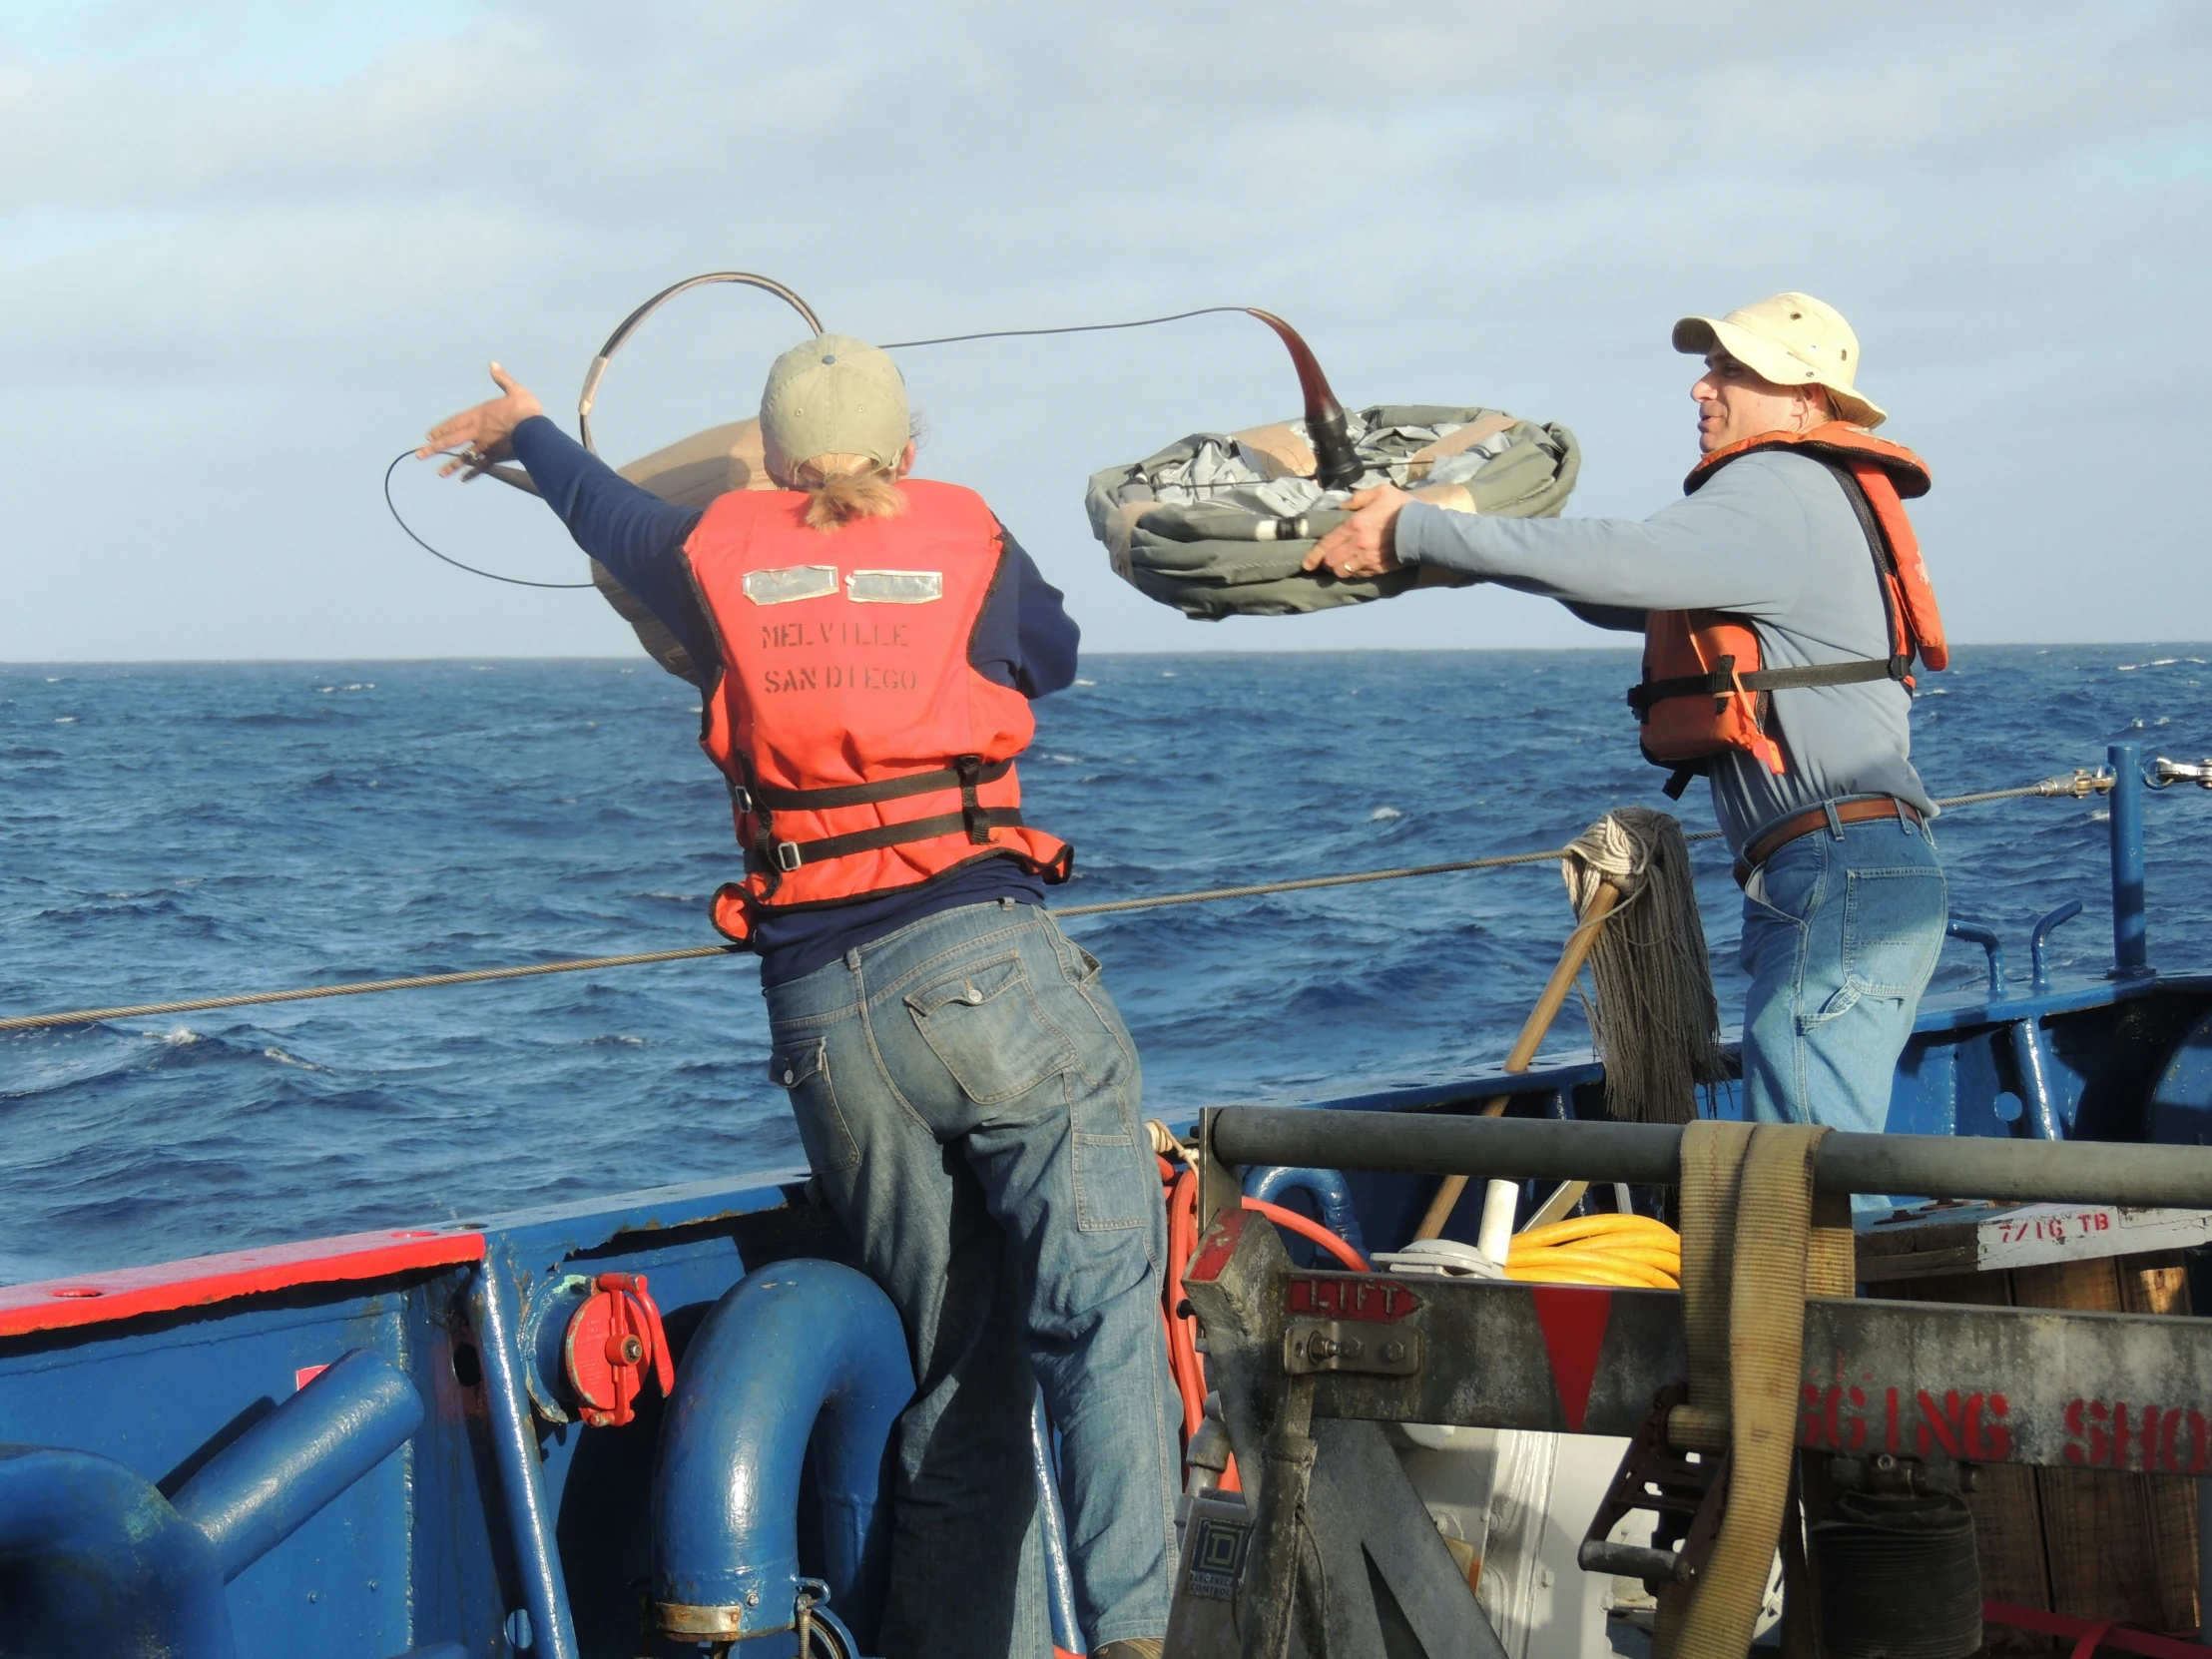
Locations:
{"points": [[2078, 783], [1072, 329]]}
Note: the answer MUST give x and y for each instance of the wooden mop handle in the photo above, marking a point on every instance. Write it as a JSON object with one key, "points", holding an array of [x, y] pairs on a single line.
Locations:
{"points": [[1532, 1031]]}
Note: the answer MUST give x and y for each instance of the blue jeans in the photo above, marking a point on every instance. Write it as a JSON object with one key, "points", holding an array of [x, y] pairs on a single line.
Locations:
{"points": [[1842, 929], [968, 1098]]}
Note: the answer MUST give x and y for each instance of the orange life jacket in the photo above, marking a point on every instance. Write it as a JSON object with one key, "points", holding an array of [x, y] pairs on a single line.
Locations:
{"points": [[1704, 690], [863, 753]]}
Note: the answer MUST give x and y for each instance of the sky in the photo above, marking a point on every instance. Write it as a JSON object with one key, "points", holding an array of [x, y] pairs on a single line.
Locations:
{"points": [[253, 250]]}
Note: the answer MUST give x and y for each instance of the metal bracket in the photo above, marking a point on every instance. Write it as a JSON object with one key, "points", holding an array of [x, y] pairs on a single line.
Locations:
{"points": [[1656, 1478], [1311, 1346], [1218, 1186], [2164, 773]]}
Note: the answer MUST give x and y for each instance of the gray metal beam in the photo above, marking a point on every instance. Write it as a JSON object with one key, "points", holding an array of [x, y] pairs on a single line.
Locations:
{"points": [[1929, 1166], [1942, 1382]]}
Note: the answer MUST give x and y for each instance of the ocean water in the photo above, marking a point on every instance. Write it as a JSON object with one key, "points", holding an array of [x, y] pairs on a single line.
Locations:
{"points": [[174, 832]]}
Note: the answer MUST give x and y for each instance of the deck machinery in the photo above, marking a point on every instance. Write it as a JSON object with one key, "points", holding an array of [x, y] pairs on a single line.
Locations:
{"points": [[1335, 1551]]}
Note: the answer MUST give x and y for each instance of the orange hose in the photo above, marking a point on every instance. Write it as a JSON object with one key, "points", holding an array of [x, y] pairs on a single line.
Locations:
{"points": [[1310, 1230], [1185, 1364], [1183, 1359]]}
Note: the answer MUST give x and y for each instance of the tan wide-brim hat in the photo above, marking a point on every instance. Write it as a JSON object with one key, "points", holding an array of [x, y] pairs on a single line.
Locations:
{"points": [[1791, 339], [833, 395]]}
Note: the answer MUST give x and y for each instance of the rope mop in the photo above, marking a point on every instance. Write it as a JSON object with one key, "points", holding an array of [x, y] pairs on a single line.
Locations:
{"points": [[1656, 1022]]}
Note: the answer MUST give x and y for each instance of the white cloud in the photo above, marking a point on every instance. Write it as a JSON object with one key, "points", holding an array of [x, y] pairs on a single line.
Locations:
{"points": [[250, 263]]}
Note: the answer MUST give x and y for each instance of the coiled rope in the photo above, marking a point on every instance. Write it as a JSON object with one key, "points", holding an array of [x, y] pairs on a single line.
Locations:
{"points": [[2077, 784]]}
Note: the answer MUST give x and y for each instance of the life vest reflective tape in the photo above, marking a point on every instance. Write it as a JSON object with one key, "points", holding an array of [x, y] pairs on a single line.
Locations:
{"points": [[1705, 690], [864, 754]]}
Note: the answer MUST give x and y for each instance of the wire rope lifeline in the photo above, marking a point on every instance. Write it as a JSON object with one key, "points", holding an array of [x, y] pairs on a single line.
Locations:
{"points": [[1072, 329], [2078, 783]]}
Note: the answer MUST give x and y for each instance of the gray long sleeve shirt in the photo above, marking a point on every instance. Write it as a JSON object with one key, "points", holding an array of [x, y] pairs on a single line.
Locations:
{"points": [[1770, 537]]}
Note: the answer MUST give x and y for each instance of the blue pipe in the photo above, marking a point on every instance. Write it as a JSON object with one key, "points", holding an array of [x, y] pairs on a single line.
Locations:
{"points": [[2130, 933], [1974, 934], [262, 1486], [804, 1350], [94, 1559], [514, 1446], [1330, 1193], [2028, 1054], [2038, 943], [1059, 1570]]}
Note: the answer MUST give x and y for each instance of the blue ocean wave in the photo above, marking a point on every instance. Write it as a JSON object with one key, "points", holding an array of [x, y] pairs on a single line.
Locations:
{"points": [[195, 831]]}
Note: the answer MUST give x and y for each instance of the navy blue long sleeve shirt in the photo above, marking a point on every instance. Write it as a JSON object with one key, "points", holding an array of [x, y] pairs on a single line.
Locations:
{"points": [[1024, 639]]}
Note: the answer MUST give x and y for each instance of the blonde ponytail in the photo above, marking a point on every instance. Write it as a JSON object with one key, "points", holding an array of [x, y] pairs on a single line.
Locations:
{"points": [[841, 488]]}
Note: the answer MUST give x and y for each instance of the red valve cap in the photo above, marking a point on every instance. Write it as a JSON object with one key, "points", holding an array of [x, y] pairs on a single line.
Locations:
{"points": [[612, 1341]]}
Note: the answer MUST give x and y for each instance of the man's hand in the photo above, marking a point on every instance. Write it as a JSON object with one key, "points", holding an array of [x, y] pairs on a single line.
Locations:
{"points": [[482, 435], [1366, 544]]}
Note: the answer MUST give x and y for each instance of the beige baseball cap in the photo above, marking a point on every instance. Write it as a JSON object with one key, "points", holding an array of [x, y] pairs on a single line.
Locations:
{"points": [[1791, 339], [833, 395]]}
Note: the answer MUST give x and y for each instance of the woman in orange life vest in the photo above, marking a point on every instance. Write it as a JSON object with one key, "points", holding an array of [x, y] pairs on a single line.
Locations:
{"points": [[1783, 604], [968, 1095]]}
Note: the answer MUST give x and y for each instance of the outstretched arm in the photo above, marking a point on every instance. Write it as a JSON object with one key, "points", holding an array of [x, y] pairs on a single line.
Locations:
{"points": [[1719, 549], [629, 529]]}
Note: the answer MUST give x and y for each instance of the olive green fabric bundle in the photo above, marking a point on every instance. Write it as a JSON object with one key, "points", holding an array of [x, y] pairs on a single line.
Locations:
{"points": [[1218, 524]]}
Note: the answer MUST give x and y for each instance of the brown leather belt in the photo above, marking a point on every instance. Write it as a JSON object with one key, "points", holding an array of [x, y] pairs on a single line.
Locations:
{"points": [[1815, 818]]}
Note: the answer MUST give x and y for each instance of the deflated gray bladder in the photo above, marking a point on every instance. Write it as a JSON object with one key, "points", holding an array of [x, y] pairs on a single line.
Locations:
{"points": [[1219, 524]]}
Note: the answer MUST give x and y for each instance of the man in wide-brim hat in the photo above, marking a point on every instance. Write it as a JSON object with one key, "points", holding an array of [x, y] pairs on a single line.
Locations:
{"points": [[1785, 610]]}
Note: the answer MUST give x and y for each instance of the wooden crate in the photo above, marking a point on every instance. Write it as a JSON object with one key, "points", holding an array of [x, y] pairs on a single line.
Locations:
{"points": [[2093, 1544]]}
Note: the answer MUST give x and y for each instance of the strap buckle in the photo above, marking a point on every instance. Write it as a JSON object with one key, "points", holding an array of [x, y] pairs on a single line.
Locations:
{"points": [[973, 819], [786, 854], [1724, 682]]}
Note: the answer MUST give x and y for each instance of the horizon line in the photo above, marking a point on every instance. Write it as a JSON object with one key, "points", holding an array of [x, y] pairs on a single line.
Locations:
{"points": [[637, 659]]}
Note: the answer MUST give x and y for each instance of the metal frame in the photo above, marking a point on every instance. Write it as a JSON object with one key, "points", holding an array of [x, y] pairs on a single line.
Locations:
{"points": [[1298, 1354]]}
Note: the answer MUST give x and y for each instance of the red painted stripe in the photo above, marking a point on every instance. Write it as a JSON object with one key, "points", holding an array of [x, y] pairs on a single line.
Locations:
{"points": [[123, 1292], [1216, 1247], [1573, 1319], [2109, 1632]]}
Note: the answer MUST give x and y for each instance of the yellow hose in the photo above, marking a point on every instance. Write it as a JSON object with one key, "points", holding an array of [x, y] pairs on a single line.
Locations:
{"points": [[1618, 1250], [1625, 1277], [1592, 1273], [1658, 1260], [1600, 1226]]}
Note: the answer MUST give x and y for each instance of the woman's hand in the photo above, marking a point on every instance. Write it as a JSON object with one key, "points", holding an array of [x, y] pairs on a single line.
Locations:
{"points": [[1366, 544], [482, 435]]}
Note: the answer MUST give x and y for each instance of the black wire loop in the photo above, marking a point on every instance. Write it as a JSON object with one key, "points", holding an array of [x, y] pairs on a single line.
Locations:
{"points": [[488, 575]]}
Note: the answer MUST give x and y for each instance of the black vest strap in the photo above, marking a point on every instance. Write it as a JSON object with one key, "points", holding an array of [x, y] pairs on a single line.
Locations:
{"points": [[786, 856], [1724, 680], [889, 789]]}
